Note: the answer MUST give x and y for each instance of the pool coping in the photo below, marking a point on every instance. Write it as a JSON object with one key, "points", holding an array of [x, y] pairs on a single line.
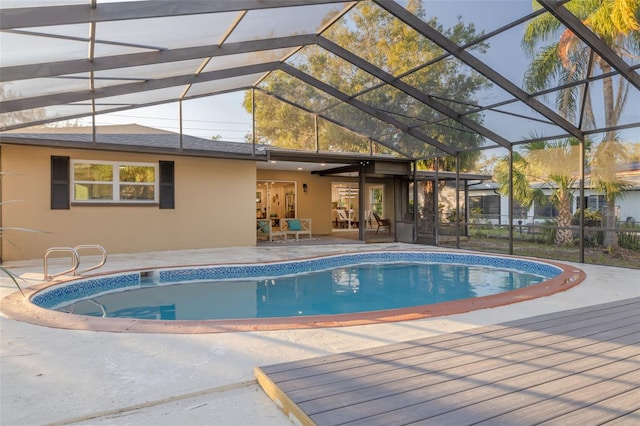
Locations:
{"points": [[19, 308]]}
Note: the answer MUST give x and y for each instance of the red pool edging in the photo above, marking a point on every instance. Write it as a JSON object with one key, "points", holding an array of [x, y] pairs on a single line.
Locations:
{"points": [[16, 307]]}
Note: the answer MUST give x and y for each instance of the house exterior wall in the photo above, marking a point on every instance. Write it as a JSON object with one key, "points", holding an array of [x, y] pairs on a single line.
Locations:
{"points": [[630, 206], [214, 206]]}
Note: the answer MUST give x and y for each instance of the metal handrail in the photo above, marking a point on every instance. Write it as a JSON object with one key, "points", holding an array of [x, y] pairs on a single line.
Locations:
{"points": [[92, 246], [75, 261]]}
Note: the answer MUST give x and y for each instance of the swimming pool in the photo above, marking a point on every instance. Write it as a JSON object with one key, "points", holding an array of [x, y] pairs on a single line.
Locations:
{"points": [[263, 276]]}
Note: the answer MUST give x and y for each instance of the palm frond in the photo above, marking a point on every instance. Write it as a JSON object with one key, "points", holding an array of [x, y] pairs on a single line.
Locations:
{"points": [[14, 278], [540, 29], [545, 68]]}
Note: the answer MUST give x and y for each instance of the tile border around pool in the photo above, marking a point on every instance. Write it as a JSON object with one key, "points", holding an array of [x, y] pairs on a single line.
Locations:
{"points": [[16, 307]]}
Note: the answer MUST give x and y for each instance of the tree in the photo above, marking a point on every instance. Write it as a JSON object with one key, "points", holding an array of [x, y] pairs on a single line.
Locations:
{"points": [[17, 117], [568, 59], [554, 165], [633, 151], [384, 41]]}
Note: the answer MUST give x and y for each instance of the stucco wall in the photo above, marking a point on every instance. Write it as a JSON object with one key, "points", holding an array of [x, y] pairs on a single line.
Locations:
{"points": [[214, 207]]}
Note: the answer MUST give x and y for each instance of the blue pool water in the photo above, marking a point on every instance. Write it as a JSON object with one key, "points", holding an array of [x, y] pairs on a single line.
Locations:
{"points": [[323, 286]]}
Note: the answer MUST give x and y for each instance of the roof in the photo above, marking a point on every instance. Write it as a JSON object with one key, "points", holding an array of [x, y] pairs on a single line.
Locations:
{"points": [[66, 59], [137, 138], [132, 137]]}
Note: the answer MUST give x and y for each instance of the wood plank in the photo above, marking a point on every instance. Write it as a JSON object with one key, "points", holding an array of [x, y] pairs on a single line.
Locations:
{"points": [[597, 403], [446, 380], [370, 374], [432, 401], [576, 364], [395, 358], [533, 404], [281, 399], [611, 409], [537, 322]]}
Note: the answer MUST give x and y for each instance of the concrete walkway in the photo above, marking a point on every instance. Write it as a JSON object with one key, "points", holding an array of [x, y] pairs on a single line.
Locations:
{"points": [[53, 376]]}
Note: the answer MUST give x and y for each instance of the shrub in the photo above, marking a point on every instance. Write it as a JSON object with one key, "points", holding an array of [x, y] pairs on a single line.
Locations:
{"points": [[629, 240], [548, 230]]}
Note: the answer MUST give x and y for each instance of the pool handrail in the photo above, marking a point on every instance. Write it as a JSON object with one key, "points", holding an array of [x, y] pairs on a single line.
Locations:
{"points": [[75, 260], [91, 246]]}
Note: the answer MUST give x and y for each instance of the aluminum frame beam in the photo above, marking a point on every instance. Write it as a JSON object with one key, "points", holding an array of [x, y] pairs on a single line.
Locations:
{"points": [[332, 121], [574, 24], [435, 36], [74, 66], [383, 116], [125, 89], [411, 91], [25, 17]]}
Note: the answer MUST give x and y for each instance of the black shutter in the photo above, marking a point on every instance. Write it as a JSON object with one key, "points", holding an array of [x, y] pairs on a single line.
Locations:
{"points": [[167, 193], [60, 183]]}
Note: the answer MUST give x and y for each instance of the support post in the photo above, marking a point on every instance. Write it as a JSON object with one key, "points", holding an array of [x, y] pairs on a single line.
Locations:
{"points": [[457, 200], [510, 200], [581, 220], [180, 121], [415, 201], [436, 202], [361, 203]]}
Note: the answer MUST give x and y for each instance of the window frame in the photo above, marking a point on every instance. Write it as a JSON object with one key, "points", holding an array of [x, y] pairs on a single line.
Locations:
{"points": [[115, 183]]}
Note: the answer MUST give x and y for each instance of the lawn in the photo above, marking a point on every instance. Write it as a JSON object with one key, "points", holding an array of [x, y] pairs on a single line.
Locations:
{"points": [[495, 240]]}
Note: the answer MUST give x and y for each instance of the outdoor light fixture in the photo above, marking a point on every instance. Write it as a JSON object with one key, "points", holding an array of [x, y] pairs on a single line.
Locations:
{"points": [[304, 187]]}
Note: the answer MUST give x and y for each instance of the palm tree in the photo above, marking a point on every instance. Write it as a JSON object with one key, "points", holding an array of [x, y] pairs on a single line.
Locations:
{"points": [[555, 166], [568, 60]]}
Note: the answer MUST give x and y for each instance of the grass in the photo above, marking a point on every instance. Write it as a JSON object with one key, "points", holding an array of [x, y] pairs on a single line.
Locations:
{"points": [[495, 240]]}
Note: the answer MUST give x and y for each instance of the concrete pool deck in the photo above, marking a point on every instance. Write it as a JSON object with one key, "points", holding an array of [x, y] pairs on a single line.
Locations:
{"points": [[57, 376]]}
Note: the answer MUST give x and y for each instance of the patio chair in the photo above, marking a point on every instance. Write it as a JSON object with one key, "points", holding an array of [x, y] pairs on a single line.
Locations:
{"points": [[382, 222], [342, 219], [264, 227], [298, 227]]}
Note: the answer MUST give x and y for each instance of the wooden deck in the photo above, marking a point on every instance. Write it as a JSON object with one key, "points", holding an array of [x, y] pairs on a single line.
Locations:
{"points": [[576, 367]]}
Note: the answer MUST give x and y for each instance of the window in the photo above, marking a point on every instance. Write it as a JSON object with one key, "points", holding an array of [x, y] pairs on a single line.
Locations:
{"points": [[376, 195], [519, 211], [547, 210], [485, 205], [596, 202], [115, 182]]}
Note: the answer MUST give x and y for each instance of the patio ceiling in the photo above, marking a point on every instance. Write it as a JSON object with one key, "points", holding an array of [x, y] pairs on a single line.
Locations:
{"points": [[67, 59]]}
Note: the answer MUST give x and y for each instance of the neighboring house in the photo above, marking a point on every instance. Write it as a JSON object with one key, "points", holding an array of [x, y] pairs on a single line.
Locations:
{"points": [[486, 205], [136, 189]]}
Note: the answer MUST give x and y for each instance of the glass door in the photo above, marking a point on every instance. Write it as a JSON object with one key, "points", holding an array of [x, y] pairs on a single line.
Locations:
{"points": [[344, 206], [275, 200]]}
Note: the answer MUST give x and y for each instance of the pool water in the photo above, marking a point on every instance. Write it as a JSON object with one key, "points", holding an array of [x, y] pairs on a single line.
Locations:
{"points": [[339, 290]]}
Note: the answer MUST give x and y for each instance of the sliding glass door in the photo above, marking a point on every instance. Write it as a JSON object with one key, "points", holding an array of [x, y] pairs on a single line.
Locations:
{"points": [[275, 199]]}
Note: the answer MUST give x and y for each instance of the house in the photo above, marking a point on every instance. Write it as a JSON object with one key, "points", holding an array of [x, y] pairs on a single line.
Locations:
{"points": [[136, 189], [488, 206]]}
